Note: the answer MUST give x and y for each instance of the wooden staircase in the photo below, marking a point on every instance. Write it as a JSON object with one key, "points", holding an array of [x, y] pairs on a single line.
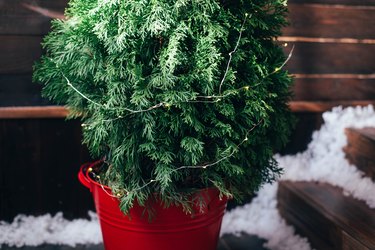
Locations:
{"points": [[322, 213]]}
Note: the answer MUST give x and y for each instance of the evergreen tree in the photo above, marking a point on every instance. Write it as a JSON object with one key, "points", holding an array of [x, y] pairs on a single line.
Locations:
{"points": [[175, 94]]}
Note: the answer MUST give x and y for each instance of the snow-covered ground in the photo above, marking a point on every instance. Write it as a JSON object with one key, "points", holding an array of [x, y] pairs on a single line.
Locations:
{"points": [[323, 161]]}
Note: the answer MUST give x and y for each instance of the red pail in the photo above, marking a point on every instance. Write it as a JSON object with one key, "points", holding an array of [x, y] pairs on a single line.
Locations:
{"points": [[170, 229]]}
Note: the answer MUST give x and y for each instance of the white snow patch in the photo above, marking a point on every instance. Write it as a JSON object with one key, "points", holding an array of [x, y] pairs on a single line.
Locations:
{"points": [[323, 161], [35, 231]]}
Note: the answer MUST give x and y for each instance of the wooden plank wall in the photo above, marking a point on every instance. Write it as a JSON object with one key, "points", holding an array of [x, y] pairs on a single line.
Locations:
{"points": [[40, 153], [39, 162], [333, 59], [23, 23], [333, 64]]}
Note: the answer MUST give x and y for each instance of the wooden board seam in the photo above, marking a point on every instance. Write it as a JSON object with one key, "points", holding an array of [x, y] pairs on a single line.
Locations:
{"points": [[337, 6], [335, 76], [325, 40]]}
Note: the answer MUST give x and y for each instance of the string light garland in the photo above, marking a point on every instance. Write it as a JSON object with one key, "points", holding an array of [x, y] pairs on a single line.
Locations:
{"points": [[217, 98], [118, 195], [175, 95], [110, 108], [205, 166], [281, 66], [225, 157], [285, 62], [203, 99]]}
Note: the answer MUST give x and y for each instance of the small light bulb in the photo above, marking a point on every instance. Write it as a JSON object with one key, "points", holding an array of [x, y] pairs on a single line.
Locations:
{"points": [[246, 139], [285, 44], [89, 170], [246, 87]]}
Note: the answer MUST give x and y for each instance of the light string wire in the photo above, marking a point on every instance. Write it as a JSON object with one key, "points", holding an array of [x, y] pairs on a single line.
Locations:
{"points": [[119, 195], [225, 157], [161, 104], [284, 63], [232, 52], [290, 54], [217, 98], [109, 108], [164, 104]]}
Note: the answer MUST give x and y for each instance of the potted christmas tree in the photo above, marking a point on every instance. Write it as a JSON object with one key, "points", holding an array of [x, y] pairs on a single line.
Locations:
{"points": [[184, 102]]}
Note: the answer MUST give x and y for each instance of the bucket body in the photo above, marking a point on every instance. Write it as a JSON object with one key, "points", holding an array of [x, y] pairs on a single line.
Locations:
{"points": [[170, 229]]}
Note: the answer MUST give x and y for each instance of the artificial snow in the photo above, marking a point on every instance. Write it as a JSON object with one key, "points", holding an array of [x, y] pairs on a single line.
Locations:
{"points": [[323, 161], [261, 218], [35, 231]]}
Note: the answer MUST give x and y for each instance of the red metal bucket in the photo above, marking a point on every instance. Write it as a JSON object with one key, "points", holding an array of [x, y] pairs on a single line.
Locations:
{"points": [[171, 228]]}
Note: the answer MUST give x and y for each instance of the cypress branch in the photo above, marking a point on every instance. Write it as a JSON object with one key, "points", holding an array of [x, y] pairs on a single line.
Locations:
{"points": [[176, 95]]}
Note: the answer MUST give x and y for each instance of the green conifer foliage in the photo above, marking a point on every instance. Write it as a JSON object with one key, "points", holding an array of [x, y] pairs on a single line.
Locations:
{"points": [[175, 94]]}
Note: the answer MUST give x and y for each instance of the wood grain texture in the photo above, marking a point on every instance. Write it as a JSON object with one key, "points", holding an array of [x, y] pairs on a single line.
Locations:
{"points": [[325, 213], [336, 2], [360, 149], [18, 53], [33, 112], [305, 225], [320, 107], [19, 90], [350, 243], [28, 17], [306, 19], [363, 163], [333, 89], [331, 21], [39, 162], [363, 139], [331, 58]]}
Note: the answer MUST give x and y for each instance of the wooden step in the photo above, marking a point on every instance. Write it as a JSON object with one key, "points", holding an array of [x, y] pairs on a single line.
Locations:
{"points": [[360, 150], [329, 219]]}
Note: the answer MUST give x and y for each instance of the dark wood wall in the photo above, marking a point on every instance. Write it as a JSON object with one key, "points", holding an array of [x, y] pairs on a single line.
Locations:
{"points": [[23, 23], [39, 162], [333, 60], [40, 152], [333, 64]]}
